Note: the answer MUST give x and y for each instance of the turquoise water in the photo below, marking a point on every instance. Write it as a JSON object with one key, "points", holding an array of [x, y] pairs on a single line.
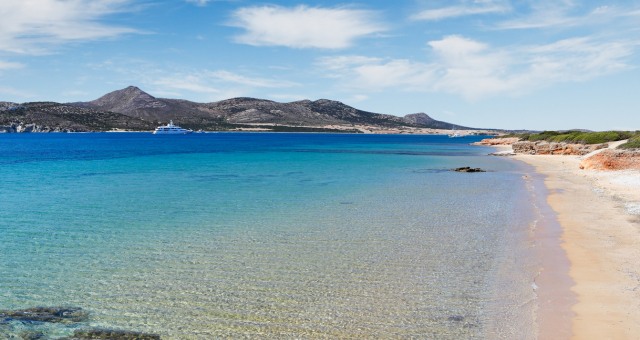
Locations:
{"points": [[261, 235]]}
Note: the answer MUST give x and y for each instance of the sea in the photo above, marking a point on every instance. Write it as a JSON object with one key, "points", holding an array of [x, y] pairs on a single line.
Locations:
{"points": [[266, 235]]}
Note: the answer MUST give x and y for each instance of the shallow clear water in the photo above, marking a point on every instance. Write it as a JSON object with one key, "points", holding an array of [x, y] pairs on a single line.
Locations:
{"points": [[260, 235]]}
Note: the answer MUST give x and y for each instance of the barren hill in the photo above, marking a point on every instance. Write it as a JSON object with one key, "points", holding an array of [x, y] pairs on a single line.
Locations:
{"points": [[134, 102], [133, 109]]}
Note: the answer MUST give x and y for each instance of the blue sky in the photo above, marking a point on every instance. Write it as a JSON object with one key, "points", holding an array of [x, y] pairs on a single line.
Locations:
{"points": [[484, 63]]}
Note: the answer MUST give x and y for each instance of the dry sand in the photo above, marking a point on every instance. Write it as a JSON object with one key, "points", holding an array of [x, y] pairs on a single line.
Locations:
{"points": [[599, 213]]}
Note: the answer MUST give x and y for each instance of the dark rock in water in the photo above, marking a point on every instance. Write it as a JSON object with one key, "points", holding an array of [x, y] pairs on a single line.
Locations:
{"points": [[111, 335], [468, 169], [46, 314], [33, 335], [457, 318]]}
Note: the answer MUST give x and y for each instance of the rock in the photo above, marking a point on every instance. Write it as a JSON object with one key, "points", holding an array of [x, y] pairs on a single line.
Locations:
{"points": [[552, 148], [457, 318], [613, 160], [33, 335], [111, 335], [468, 169], [7, 129], [47, 314]]}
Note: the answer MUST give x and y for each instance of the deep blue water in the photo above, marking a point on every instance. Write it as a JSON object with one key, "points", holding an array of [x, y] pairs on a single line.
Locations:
{"points": [[257, 234]]}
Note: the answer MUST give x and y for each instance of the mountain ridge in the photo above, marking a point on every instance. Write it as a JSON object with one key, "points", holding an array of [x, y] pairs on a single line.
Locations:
{"points": [[135, 102], [133, 108]]}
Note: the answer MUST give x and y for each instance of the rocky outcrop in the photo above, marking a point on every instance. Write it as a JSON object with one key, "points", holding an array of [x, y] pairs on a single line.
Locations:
{"points": [[468, 169], [61, 318], [19, 127], [551, 148], [111, 335], [613, 159], [46, 314], [498, 141]]}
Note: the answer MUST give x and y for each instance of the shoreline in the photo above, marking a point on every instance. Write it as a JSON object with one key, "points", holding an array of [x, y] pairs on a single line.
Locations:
{"points": [[599, 219]]}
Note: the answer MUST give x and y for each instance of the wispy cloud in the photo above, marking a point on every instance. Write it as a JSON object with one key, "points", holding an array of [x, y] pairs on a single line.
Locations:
{"points": [[475, 70], [195, 84], [22, 95], [203, 3], [566, 14], [199, 2], [304, 27], [465, 9], [230, 77], [214, 85], [190, 83], [33, 26], [8, 65], [375, 74]]}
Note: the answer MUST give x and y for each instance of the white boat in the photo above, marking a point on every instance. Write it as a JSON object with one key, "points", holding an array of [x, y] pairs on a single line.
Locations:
{"points": [[170, 129]]}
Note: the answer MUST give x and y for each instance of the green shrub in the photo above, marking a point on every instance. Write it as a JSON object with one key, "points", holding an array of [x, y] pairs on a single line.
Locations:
{"points": [[545, 135], [633, 143], [581, 137]]}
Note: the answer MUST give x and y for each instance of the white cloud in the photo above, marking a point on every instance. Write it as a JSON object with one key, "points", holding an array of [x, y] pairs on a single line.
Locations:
{"points": [[566, 14], [210, 85], [304, 27], [8, 65], [32, 26], [475, 70], [478, 7], [190, 83], [21, 95], [230, 77], [342, 62], [203, 3], [198, 2]]}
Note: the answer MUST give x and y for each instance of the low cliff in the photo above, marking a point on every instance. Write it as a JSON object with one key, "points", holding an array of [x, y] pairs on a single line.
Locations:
{"points": [[613, 160], [547, 148]]}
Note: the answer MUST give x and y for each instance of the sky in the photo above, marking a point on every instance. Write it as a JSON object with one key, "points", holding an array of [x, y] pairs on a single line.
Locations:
{"points": [[510, 64]]}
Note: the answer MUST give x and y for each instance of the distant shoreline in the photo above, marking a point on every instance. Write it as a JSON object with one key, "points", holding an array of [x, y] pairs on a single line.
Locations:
{"points": [[298, 129]]}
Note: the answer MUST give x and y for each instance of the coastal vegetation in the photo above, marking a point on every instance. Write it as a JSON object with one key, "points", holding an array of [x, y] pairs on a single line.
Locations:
{"points": [[583, 137], [633, 143]]}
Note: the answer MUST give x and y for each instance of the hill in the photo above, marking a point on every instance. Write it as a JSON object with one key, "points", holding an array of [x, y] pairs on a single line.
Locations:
{"points": [[55, 117], [133, 109]]}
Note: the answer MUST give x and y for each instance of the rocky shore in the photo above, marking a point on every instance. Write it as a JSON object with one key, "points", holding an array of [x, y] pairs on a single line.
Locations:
{"points": [[603, 156], [547, 148], [19, 127]]}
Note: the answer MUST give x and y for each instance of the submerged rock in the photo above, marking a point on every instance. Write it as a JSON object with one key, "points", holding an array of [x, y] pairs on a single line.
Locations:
{"points": [[111, 334], [457, 318], [46, 314], [33, 335], [468, 169]]}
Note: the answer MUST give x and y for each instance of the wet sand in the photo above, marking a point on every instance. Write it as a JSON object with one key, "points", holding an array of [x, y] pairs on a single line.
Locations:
{"points": [[599, 215]]}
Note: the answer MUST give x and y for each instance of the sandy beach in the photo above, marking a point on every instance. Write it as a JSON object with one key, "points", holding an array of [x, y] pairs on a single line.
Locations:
{"points": [[599, 215]]}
